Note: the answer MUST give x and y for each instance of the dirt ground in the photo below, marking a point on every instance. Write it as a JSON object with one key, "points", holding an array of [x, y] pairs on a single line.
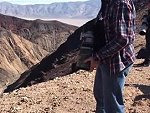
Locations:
{"points": [[74, 94]]}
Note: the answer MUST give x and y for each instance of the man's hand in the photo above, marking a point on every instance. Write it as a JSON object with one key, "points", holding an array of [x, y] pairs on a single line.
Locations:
{"points": [[93, 63]]}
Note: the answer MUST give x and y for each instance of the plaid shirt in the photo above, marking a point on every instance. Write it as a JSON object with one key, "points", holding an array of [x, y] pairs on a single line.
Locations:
{"points": [[119, 25]]}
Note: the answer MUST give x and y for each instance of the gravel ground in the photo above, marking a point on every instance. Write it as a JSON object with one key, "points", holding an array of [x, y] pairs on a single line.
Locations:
{"points": [[74, 94]]}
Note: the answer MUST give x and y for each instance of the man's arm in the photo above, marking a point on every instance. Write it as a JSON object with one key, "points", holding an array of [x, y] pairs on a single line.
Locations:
{"points": [[124, 30]]}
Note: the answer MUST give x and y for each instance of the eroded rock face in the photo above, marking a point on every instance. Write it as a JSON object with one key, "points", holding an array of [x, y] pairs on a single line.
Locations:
{"points": [[47, 34], [25, 43], [16, 56]]}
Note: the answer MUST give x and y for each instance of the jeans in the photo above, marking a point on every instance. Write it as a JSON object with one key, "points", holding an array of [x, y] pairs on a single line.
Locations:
{"points": [[108, 90]]}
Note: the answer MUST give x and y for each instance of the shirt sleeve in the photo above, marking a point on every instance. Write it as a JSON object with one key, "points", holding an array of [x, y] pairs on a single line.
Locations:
{"points": [[123, 30]]}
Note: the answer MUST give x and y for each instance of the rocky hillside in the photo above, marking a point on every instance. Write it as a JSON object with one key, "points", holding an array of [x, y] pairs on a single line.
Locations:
{"points": [[25, 43], [73, 93], [17, 55], [47, 34]]}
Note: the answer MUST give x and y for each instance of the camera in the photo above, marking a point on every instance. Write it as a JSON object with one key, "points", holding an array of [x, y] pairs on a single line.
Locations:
{"points": [[86, 50], [144, 25]]}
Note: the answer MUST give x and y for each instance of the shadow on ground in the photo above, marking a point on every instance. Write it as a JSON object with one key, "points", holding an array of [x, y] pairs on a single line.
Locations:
{"points": [[143, 88]]}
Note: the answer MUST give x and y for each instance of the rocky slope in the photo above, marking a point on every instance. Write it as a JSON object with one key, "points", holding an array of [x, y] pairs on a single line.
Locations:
{"points": [[25, 43], [17, 55], [73, 93], [59, 63], [47, 34]]}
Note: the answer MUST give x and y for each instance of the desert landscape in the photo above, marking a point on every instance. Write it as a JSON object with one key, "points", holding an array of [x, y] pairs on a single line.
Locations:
{"points": [[74, 94], [64, 93]]}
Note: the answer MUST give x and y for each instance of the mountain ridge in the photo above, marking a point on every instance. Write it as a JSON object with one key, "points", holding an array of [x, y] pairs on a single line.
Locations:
{"points": [[54, 10]]}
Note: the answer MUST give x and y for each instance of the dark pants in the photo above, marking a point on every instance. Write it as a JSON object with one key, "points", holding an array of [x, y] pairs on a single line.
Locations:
{"points": [[108, 90], [148, 43]]}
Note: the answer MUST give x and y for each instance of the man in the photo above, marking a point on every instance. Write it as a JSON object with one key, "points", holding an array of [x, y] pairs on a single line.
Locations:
{"points": [[115, 59], [147, 36]]}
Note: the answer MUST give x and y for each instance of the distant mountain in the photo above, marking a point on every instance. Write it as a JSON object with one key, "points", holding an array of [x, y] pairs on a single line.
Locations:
{"points": [[87, 9]]}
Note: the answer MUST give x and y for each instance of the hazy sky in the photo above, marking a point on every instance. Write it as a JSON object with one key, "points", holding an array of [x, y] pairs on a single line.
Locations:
{"points": [[38, 1]]}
